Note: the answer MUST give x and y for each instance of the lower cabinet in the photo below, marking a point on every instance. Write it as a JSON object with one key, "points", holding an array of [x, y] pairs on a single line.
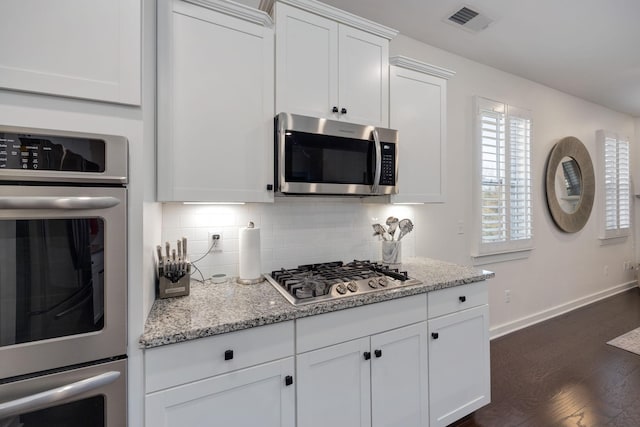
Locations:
{"points": [[459, 365], [379, 380], [262, 395]]}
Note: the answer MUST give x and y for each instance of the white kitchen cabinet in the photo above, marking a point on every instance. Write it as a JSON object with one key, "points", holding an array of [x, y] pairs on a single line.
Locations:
{"points": [[378, 377], [459, 361], [417, 109], [256, 396], [243, 378], [76, 48], [331, 64], [215, 102]]}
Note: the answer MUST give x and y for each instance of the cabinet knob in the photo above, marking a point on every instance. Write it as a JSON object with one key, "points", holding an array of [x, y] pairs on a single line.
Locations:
{"points": [[343, 111], [367, 355], [288, 380], [269, 187], [228, 355], [334, 109], [434, 335], [378, 353], [462, 298]]}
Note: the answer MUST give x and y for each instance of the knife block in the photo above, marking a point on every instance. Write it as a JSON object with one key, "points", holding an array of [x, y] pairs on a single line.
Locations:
{"points": [[170, 289]]}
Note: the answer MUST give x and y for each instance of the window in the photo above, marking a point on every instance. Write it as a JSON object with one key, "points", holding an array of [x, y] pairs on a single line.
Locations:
{"points": [[614, 176], [503, 188]]}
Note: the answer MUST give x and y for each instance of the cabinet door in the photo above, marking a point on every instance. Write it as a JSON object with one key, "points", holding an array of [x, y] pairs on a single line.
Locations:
{"points": [[363, 77], [399, 377], [459, 370], [306, 63], [417, 110], [78, 48], [334, 386], [215, 106], [255, 396]]}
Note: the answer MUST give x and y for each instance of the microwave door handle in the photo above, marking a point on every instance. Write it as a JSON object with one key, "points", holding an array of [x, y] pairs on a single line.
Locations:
{"points": [[64, 203], [47, 398], [376, 175]]}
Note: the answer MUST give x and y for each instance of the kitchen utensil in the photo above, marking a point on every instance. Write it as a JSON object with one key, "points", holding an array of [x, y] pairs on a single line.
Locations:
{"points": [[392, 224], [379, 231], [405, 227]]}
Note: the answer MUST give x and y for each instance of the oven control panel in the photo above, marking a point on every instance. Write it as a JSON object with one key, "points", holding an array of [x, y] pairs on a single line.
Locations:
{"points": [[51, 152]]}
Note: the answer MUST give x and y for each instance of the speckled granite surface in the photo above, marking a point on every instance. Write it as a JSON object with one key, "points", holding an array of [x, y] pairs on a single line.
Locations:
{"points": [[213, 309]]}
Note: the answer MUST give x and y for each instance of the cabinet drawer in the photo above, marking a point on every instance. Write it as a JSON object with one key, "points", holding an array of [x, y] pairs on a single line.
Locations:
{"points": [[450, 300], [181, 363], [344, 325]]}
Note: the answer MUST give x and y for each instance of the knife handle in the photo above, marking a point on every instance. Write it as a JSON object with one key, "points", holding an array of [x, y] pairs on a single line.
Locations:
{"points": [[179, 246], [184, 247], [167, 247]]}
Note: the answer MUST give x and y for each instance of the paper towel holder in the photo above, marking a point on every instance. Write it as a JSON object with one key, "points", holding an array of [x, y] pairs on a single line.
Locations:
{"points": [[251, 281]]}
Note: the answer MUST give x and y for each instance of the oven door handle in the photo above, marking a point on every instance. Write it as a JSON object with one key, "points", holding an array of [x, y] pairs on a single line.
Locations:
{"points": [[48, 202], [47, 398], [376, 174]]}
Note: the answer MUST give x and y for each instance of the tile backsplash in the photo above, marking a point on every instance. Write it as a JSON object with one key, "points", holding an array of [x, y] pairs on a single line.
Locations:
{"points": [[292, 232]]}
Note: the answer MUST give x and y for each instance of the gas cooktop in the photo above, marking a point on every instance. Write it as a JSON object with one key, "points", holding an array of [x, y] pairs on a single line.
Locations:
{"points": [[328, 281]]}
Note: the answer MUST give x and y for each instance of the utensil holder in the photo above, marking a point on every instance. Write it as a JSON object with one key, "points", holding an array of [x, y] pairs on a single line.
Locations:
{"points": [[391, 252]]}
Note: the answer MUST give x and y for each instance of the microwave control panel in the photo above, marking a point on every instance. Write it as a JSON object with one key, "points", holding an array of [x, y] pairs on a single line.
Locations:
{"points": [[388, 173]]}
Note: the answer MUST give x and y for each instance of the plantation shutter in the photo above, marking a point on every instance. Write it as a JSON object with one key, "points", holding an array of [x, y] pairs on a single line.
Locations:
{"points": [[505, 177], [617, 184]]}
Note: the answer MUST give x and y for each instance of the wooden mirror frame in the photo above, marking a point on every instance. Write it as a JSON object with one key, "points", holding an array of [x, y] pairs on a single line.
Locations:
{"points": [[570, 147]]}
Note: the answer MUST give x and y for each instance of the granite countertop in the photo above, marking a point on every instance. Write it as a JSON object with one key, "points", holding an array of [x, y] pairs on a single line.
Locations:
{"points": [[216, 308]]}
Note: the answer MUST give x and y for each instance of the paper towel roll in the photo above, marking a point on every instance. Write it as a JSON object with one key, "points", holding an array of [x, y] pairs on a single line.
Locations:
{"points": [[249, 263]]}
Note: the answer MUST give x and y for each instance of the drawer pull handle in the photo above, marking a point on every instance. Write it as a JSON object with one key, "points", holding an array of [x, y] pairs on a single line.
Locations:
{"points": [[378, 353], [434, 335], [367, 355], [462, 298], [288, 380], [228, 355]]}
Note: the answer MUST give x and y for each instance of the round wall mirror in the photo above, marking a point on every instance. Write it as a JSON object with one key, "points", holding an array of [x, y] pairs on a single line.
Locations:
{"points": [[570, 184]]}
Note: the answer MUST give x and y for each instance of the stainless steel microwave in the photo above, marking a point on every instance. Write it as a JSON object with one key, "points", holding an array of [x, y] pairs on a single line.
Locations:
{"points": [[328, 157]]}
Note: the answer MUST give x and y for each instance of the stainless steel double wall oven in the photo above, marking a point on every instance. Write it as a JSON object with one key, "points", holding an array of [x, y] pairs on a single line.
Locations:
{"points": [[63, 278]]}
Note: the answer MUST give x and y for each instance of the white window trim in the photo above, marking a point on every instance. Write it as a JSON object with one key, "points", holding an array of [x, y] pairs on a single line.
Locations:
{"points": [[619, 234], [483, 253]]}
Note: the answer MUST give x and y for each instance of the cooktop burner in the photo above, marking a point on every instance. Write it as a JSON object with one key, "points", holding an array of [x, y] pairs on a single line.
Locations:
{"points": [[331, 280]]}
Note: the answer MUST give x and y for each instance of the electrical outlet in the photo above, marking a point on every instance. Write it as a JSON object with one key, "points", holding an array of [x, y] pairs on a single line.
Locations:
{"points": [[215, 241], [605, 270], [460, 227], [507, 295]]}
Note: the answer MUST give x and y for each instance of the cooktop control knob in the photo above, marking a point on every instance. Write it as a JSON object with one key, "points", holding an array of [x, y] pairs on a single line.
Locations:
{"points": [[383, 281], [341, 288], [373, 284], [352, 286]]}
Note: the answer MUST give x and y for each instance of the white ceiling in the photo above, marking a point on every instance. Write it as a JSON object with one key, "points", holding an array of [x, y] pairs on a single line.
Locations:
{"points": [[587, 48]]}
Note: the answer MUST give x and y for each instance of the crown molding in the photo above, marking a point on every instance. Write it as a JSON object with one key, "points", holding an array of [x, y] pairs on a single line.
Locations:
{"points": [[236, 9], [343, 17], [422, 67]]}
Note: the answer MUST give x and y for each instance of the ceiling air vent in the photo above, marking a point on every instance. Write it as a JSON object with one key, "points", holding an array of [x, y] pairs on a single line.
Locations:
{"points": [[468, 19]]}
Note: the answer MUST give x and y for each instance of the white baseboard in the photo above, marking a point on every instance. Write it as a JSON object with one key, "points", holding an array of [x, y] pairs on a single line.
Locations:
{"points": [[523, 322]]}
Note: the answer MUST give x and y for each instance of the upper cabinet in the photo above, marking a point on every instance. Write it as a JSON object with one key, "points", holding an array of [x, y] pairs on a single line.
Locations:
{"points": [[417, 109], [331, 64], [215, 102], [76, 48]]}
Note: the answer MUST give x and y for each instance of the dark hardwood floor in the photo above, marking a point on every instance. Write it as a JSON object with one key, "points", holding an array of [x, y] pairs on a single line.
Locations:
{"points": [[562, 373]]}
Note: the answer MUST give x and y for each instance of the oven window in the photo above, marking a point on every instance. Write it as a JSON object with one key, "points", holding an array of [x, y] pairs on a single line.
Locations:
{"points": [[328, 159], [51, 278], [82, 413]]}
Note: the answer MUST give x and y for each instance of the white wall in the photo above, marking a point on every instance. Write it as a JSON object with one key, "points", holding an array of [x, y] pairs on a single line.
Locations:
{"points": [[292, 231], [564, 270]]}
